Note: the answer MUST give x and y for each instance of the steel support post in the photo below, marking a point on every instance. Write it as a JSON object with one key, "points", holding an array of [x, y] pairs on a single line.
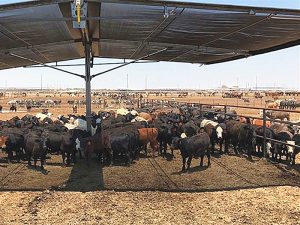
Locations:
{"points": [[88, 86]]}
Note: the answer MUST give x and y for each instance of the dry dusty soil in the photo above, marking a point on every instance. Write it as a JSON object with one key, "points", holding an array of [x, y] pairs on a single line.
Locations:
{"points": [[234, 190]]}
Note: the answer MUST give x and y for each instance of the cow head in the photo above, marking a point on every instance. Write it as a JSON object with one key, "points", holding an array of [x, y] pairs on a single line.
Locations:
{"points": [[219, 131], [176, 142], [268, 147], [290, 149]]}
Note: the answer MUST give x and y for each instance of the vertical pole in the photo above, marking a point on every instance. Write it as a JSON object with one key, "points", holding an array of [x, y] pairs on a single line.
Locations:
{"points": [[41, 82], [88, 86], [264, 131], [201, 113], [225, 111]]}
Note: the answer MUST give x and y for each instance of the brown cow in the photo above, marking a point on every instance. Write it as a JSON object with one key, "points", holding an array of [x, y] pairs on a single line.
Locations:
{"points": [[99, 144], [3, 140], [272, 105], [149, 135], [246, 120], [147, 116], [260, 123]]}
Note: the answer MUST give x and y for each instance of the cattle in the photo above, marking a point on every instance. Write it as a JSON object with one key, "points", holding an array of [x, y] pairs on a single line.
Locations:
{"points": [[79, 137], [13, 108], [3, 140], [243, 119], [260, 123], [288, 104], [14, 142], [166, 132], [293, 151], [246, 100], [35, 146], [100, 145], [61, 142], [241, 136], [195, 146], [215, 131], [190, 128], [82, 125], [279, 127], [272, 105], [146, 116], [42, 116], [260, 141], [281, 149], [278, 115], [120, 145], [148, 135]]}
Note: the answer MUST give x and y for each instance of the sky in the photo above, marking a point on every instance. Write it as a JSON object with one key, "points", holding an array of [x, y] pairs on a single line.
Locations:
{"points": [[275, 69]]}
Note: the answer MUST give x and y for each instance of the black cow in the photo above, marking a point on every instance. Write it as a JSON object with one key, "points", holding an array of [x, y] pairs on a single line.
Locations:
{"points": [[260, 141], [241, 136], [120, 145], [13, 108], [217, 134], [190, 128], [196, 146], [80, 137], [61, 142], [281, 149], [293, 151], [15, 143], [166, 132], [35, 146]]}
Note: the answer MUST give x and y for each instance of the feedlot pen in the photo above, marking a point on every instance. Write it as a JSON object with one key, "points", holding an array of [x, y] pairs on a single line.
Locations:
{"points": [[227, 172]]}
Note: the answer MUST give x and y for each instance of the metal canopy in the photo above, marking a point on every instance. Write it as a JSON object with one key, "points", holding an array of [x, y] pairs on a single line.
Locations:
{"points": [[42, 31]]}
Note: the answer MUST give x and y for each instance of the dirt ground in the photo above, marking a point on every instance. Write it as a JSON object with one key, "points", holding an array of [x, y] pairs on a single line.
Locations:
{"points": [[277, 205], [227, 172], [234, 190]]}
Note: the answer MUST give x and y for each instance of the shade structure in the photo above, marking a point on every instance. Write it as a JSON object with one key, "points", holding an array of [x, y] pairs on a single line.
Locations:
{"points": [[190, 32]]}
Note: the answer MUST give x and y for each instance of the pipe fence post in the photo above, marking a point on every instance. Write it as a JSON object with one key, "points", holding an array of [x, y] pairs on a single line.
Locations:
{"points": [[201, 112], [225, 111], [264, 131]]}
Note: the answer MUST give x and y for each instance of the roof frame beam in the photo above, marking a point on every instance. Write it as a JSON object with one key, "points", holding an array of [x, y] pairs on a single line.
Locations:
{"points": [[155, 29], [81, 64], [128, 63], [40, 63]]}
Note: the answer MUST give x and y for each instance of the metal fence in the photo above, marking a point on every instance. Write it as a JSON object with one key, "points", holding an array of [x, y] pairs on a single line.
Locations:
{"points": [[264, 118]]}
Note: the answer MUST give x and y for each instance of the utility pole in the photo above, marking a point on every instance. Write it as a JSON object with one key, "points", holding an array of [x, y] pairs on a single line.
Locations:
{"points": [[146, 81], [256, 83], [41, 82]]}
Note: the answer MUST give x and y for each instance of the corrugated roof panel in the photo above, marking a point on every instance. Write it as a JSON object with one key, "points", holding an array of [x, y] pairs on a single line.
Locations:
{"points": [[192, 32]]}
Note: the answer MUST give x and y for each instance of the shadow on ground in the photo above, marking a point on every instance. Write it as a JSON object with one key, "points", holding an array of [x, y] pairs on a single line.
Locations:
{"points": [[150, 174]]}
